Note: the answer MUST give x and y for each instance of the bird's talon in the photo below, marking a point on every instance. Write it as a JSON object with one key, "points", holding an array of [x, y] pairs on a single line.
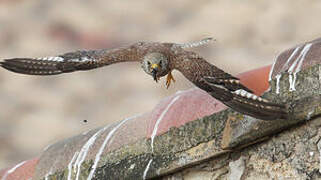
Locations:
{"points": [[169, 79]]}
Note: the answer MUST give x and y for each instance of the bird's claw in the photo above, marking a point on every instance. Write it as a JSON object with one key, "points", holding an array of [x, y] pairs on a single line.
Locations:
{"points": [[169, 79]]}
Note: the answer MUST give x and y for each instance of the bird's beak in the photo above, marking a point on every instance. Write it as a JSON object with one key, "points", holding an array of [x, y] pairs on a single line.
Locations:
{"points": [[154, 71]]}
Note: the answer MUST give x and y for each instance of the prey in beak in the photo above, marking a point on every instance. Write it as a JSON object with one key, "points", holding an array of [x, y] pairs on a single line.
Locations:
{"points": [[154, 70]]}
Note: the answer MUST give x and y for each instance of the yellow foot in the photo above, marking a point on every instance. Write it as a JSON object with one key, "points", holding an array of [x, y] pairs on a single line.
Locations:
{"points": [[169, 79]]}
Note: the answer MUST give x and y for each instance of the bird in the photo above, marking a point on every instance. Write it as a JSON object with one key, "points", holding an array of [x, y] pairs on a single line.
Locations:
{"points": [[159, 59]]}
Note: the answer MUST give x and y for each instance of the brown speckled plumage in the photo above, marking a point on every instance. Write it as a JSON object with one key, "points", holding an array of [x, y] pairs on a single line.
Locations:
{"points": [[206, 76]]}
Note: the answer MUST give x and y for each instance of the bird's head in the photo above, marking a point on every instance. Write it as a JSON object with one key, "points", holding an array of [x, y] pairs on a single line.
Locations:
{"points": [[156, 65]]}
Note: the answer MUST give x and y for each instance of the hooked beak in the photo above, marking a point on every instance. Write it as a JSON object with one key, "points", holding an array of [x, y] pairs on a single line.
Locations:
{"points": [[154, 71]]}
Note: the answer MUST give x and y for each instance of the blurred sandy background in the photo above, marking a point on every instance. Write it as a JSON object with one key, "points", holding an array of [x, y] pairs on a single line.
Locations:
{"points": [[38, 111]]}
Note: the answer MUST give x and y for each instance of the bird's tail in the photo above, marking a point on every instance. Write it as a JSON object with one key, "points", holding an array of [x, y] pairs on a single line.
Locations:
{"points": [[196, 44]]}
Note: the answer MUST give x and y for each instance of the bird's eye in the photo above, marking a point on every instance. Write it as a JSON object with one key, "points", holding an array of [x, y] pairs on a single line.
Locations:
{"points": [[148, 62]]}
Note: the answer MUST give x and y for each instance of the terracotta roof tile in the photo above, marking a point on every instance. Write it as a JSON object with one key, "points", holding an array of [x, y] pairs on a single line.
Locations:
{"points": [[22, 170]]}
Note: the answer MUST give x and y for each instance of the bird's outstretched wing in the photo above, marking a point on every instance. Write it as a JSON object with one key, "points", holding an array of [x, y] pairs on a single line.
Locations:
{"points": [[86, 60], [73, 61], [80, 60], [246, 102], [227, 88]]}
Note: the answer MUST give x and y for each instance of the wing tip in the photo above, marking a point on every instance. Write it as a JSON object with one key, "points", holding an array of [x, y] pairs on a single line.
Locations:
{"points": [[29, 67]]}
